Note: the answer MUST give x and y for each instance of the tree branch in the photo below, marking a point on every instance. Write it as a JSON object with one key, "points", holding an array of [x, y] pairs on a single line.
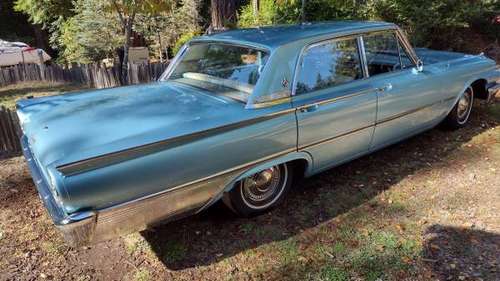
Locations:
{"points": [[122, 20]]}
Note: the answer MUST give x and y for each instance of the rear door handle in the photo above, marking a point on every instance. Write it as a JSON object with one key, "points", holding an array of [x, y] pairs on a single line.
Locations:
{"points": [[309, 108]]}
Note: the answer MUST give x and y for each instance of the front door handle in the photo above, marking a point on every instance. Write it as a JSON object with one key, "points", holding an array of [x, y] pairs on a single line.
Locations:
{"points": [[386, 88], [309, 108]]}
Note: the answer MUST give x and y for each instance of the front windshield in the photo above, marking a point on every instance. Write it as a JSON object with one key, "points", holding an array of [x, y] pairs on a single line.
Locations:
{"points": [[224, 69]]}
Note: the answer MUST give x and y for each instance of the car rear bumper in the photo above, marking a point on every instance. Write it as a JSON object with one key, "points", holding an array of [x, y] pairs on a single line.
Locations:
{"points": [[92, 226]]}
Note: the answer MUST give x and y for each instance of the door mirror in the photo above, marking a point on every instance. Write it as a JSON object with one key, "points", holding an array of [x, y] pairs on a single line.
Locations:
{"points": [[420, 65]]}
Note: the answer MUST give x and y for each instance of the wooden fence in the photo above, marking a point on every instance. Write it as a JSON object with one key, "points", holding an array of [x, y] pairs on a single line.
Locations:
{"points": [[92, 75], [9, 132]]}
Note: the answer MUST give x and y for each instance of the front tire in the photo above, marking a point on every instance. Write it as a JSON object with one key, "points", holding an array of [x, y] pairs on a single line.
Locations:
{"points": [[260, 192], [460, 113]]}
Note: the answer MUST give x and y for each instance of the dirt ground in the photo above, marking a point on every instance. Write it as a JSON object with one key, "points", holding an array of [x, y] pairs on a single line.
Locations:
{"points": [[425, 209]]}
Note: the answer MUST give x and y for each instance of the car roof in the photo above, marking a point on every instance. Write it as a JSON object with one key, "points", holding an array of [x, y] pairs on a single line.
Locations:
{"points": [[275, 36]]}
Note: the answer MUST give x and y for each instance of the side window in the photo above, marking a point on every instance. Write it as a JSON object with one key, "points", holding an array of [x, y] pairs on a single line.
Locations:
{"points": [[329, 64], [382, 53]]}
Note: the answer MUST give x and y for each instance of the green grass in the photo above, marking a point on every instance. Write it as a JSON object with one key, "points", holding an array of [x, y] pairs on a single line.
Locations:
{"points": [[382, 252], [10, 94], [339, 248], [289, 251], [142, 275], [247, 228], [331, 273]]}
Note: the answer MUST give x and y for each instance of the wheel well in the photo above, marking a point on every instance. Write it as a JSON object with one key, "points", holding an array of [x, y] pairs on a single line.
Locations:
{"points": [[479, 88], [299, 167]]}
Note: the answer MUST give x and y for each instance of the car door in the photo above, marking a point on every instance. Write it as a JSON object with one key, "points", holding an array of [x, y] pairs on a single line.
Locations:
{"points": [[336, 106], [407, 103]]}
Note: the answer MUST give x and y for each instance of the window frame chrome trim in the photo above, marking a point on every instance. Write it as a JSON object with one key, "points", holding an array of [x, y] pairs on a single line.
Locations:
{"points": [[406, 45], [319, 43], [399, 42], [364, 63], [399, 34], [182, 52]]}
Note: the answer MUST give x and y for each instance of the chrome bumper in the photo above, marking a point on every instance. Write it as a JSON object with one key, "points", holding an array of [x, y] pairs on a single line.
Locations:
{"points": [[93, 226]]}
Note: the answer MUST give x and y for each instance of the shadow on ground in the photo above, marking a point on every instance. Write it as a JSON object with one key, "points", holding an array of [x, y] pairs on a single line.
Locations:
{"points": [[216, 233], [454, 253]]}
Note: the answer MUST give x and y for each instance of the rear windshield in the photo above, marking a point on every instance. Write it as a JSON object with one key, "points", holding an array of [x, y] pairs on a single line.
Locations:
{"points": [[221, 68]]}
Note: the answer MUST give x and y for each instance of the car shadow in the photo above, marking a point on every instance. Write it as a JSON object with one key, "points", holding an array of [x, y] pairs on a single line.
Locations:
{"points": [[456, 253], [217, 234]]}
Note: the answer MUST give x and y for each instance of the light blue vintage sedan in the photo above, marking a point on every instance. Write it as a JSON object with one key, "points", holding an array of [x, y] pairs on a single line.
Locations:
{"points": [[234, 118]]}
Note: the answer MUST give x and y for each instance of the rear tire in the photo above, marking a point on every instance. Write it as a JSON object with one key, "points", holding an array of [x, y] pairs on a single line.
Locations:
{"points": [[460, 113], [260, 192]]}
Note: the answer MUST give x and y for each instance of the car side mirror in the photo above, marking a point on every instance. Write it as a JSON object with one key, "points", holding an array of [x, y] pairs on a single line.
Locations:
{"points": [[420, 65]]}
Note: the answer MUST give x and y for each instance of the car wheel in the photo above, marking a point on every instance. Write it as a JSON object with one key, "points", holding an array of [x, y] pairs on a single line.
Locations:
{"points": [[460, 113], [260, 192]]}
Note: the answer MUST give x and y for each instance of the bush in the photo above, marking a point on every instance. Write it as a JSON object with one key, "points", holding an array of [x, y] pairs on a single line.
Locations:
{"points": [[183, 40], [429, 23]]}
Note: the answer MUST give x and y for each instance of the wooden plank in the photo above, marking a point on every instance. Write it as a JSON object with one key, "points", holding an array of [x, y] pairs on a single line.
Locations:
{"points": [[15, 127], [5, 133], [10, 131]]}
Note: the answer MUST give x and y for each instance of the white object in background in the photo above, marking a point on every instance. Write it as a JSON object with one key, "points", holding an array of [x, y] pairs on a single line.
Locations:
{"points": [[12, 53]]}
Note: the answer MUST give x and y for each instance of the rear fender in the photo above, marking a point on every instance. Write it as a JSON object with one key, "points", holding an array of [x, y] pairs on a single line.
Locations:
{"points": [[262, 166]]}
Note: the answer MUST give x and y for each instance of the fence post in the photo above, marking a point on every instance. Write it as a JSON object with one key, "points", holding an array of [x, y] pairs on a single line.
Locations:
{"points": [[42, 64]]}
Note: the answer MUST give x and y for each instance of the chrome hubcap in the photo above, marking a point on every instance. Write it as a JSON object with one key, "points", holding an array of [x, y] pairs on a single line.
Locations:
{"points": [[262, 189], [464, 106]]}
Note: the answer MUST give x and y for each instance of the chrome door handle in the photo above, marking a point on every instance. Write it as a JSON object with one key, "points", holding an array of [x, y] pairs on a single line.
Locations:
{"points": [[386, 88], [309, 108]]}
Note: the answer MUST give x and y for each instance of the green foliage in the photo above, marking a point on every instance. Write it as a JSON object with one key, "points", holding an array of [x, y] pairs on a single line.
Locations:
{"points": [[183, 40], [45, 12], [270, 12], [267, 14], [79, 41], [167, 29], [89, 30], [51, 14], [129, 8], [289, 11], [325, 10], [429, 23]]}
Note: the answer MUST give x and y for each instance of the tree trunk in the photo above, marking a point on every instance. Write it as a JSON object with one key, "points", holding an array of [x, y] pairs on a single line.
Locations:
{"points": [[303, 11], [255, 6], [126, 46], [41, 37], [161, 48], [223, 13]]}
